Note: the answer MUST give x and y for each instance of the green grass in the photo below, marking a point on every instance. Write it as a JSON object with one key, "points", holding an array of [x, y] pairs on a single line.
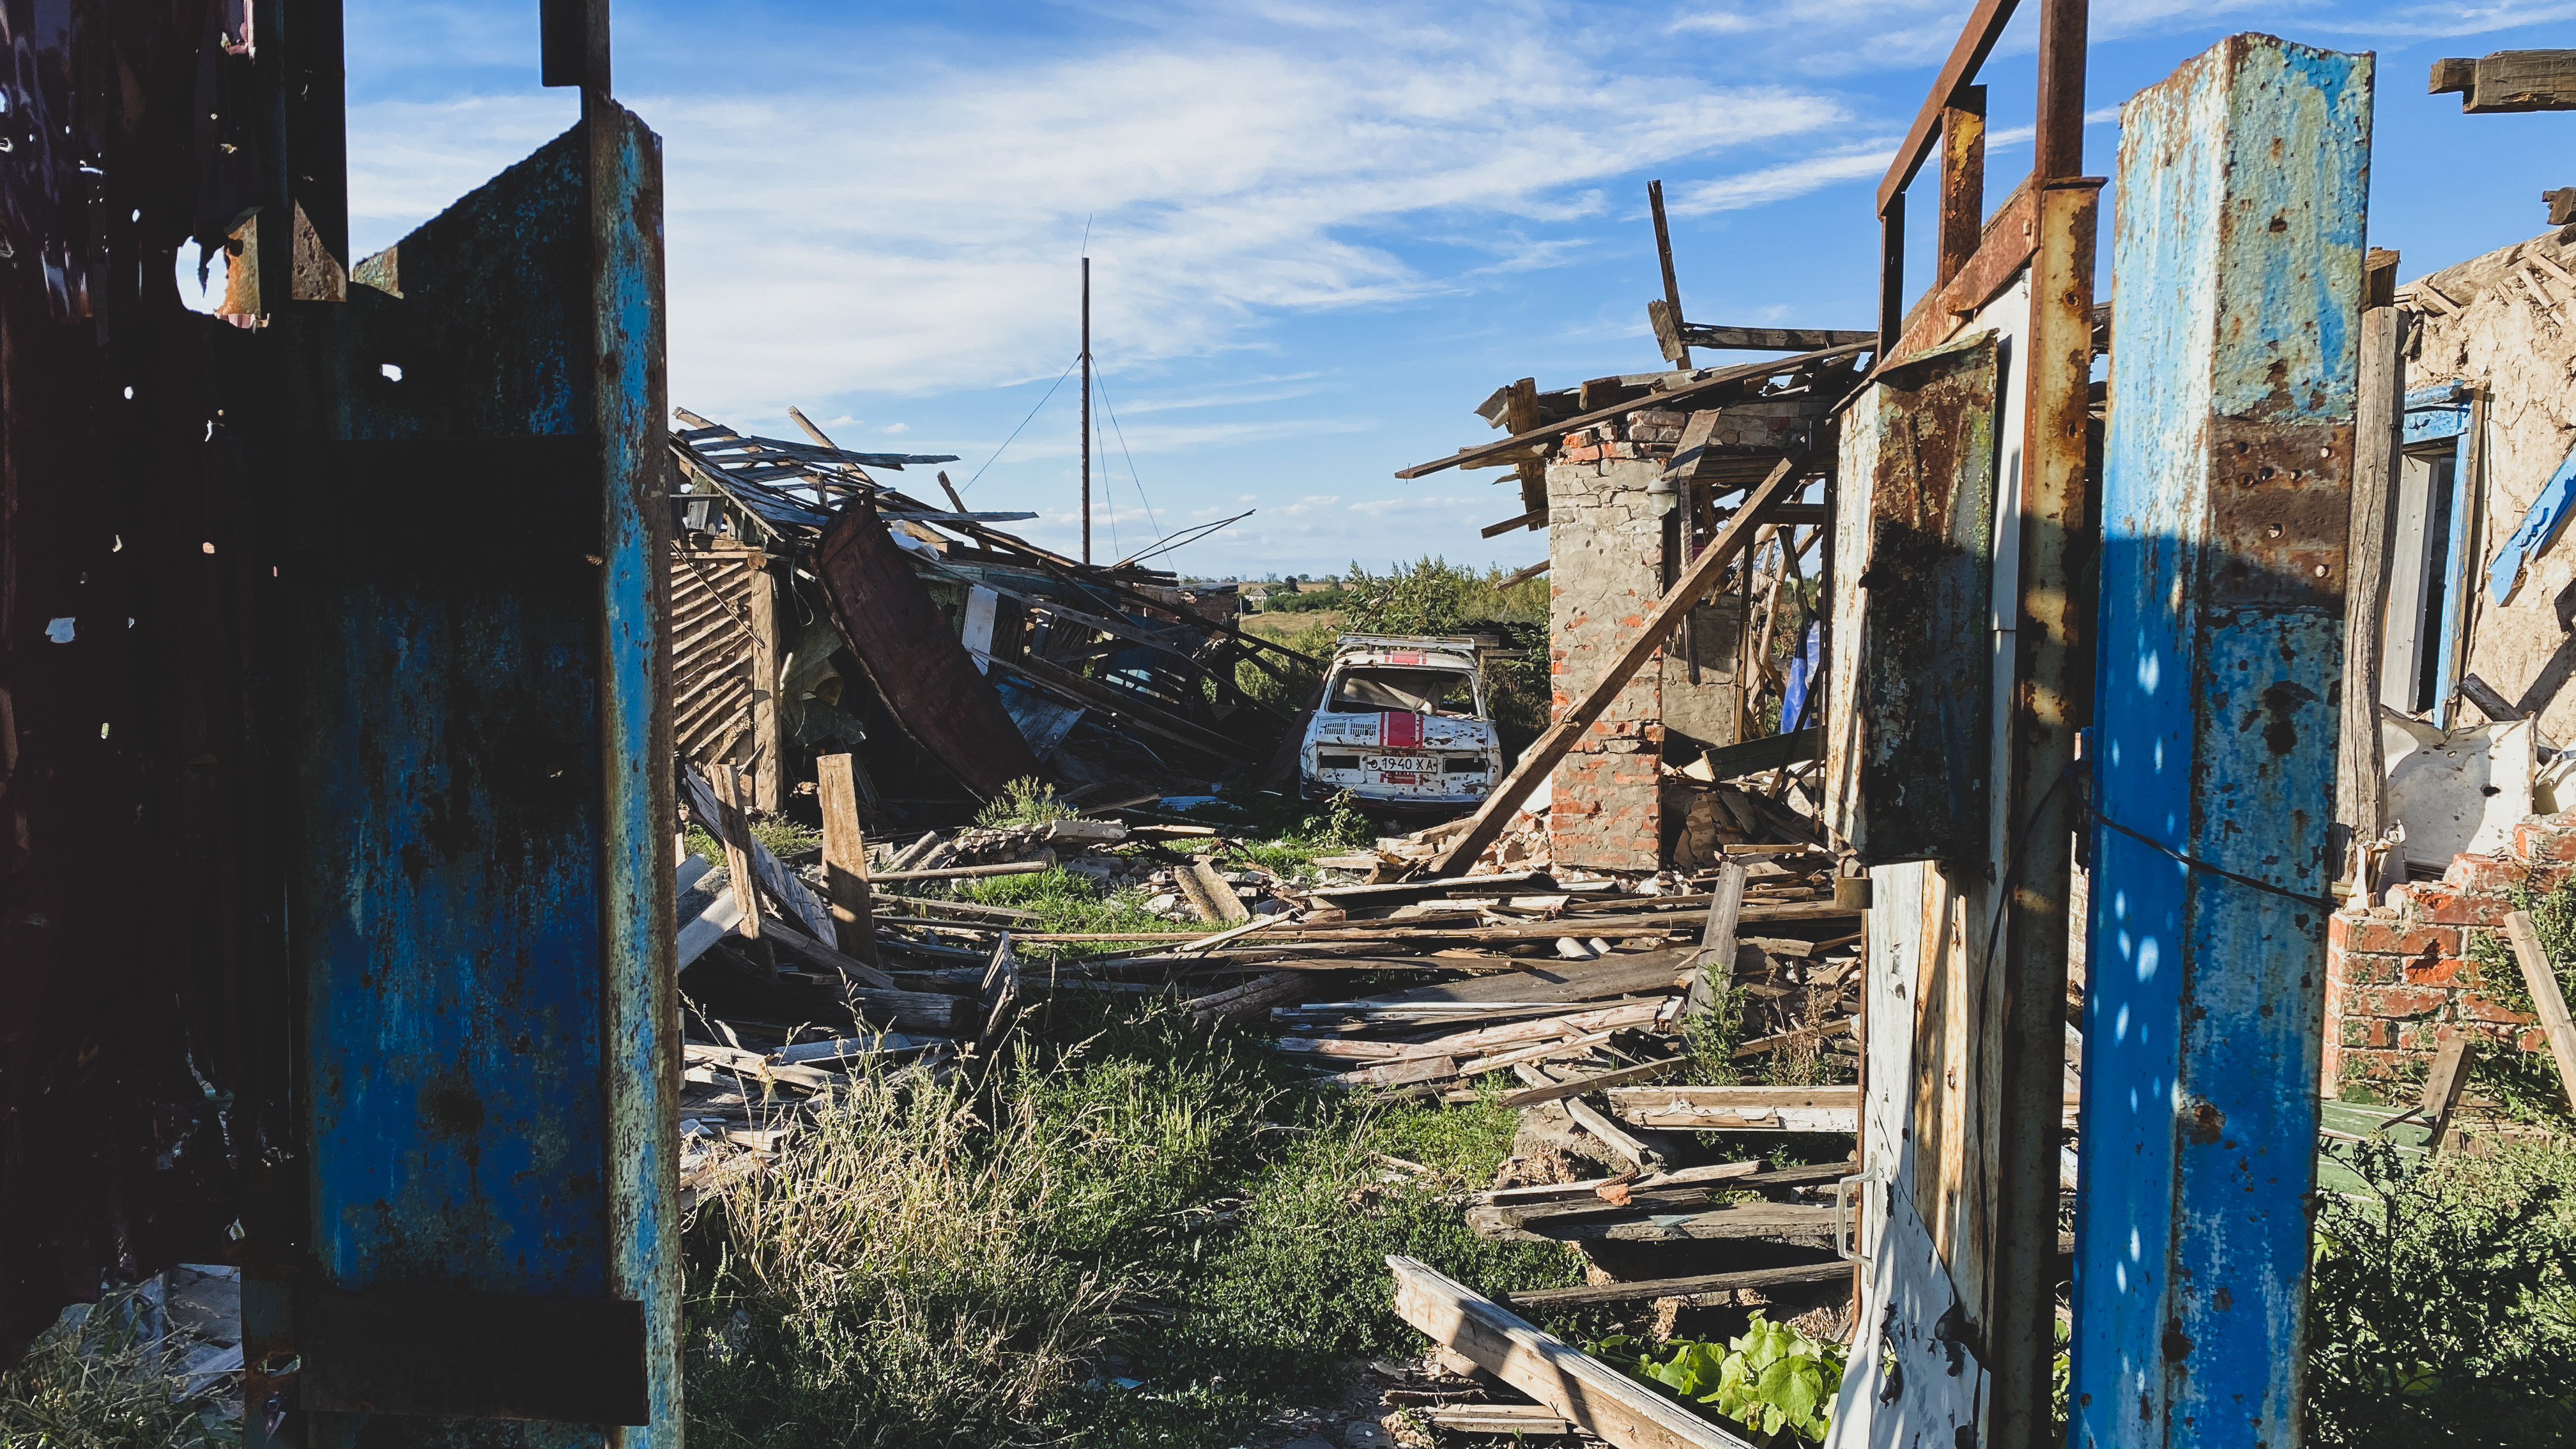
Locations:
{"points": [[974, 1263], [783, 836], [1065, 901]]}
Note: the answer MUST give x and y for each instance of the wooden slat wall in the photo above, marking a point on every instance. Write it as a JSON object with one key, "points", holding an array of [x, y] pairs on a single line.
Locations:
{"points": [[712, 647]]}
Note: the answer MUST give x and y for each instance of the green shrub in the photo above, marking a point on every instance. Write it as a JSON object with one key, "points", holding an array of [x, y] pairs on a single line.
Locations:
{"points": [[2442, 1308], [1026, 802]]}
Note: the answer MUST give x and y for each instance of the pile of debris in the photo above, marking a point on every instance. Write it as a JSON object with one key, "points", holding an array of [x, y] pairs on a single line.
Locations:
{"points": [[1628, 1012], [815, 610]]}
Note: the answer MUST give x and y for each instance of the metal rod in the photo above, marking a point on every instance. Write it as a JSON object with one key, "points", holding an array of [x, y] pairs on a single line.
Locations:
{"points": [[1664, 255]]}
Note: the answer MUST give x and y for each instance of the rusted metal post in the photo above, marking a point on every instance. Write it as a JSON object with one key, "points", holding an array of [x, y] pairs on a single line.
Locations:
{"points": [[2051, 700], [2237, 317], [1891, 275], [1963, 180]]}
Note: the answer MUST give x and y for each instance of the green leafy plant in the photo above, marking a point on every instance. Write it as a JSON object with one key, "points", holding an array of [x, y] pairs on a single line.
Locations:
{"points": [[1025, 802], [2441, 1306], [1771, 1377]]}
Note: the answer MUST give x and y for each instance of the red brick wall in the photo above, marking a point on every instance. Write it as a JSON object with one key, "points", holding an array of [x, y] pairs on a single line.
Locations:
{"points": [[2397, 974]]}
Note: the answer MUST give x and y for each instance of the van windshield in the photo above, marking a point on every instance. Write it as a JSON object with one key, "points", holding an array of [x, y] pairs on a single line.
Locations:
{"points": [[1421, 691]]}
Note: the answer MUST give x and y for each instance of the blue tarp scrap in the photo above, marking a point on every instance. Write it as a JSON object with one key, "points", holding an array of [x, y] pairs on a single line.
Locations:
{"points": [[1802, 670], [2548, 513]]}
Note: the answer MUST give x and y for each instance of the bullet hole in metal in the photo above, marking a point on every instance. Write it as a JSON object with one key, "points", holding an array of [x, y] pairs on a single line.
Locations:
{"points": [[392, 372], [208, 546]]}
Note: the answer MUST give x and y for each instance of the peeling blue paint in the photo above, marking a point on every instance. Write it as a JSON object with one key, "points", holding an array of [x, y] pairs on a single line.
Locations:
{"points": [[2238, 264]]}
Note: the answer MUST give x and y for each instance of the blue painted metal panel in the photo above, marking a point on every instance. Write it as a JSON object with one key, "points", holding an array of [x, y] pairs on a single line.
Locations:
{"points": [[481, 902], [2242, 181], [2431, 424], [2539, 526]]}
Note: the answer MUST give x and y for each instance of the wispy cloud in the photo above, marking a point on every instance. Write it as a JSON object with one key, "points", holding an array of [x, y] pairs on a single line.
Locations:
{"points": [[1781, 182], [915, 230]]}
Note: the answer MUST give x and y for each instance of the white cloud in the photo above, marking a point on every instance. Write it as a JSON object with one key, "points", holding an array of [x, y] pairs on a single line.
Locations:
{"points": [[1779, 183], [833, 231], [1380, 507]]}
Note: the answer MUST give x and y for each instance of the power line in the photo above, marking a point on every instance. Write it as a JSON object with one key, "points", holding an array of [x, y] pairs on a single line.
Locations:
{"points": [[1024, 422], [1131, 459]]}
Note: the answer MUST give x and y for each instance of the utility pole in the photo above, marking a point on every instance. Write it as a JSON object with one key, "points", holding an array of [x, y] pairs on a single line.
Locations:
{"points": [[1086, 409]]}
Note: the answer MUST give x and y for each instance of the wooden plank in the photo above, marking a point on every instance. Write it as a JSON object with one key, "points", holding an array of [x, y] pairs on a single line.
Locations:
{"points": [[1535, 518], [768, 737], [734, 833], [1758, 1099], [2361, 772], [955, 872], [1400, 893], [1599, 1399], [1549, 433], [1769, 339], [1540, 759], [814, 953], [1398, 1073], [2443, 1085], [1646, 973], [2510, 80], [1228, 906], [1728, 762], [1577, 1086], [2549, 1003], [1598, 1295], [1610, 1134], [1717, 941], [773, 876], [1794, 1221], [845, 858]]}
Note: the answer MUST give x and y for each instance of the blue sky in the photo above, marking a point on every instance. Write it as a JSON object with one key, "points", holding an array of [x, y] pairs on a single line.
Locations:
{"points": [[1321, 232]]}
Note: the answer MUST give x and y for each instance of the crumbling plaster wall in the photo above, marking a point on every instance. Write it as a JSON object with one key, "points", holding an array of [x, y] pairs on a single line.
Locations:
{"points": [[1605, 566], [2505, 323]]}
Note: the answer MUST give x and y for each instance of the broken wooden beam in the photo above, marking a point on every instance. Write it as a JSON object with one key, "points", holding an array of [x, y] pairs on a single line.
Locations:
{"points": [[1600, 1294], [1550, 432], [1597, 1398], [2548, 1002]]}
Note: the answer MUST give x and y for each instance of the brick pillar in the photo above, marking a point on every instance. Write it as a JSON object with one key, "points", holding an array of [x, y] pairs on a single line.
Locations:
{"points": [[1606, 541], [2397, 974]]}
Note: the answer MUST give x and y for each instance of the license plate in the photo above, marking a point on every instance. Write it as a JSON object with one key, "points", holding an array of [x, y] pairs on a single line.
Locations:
{"points": [[1413, 763]]}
